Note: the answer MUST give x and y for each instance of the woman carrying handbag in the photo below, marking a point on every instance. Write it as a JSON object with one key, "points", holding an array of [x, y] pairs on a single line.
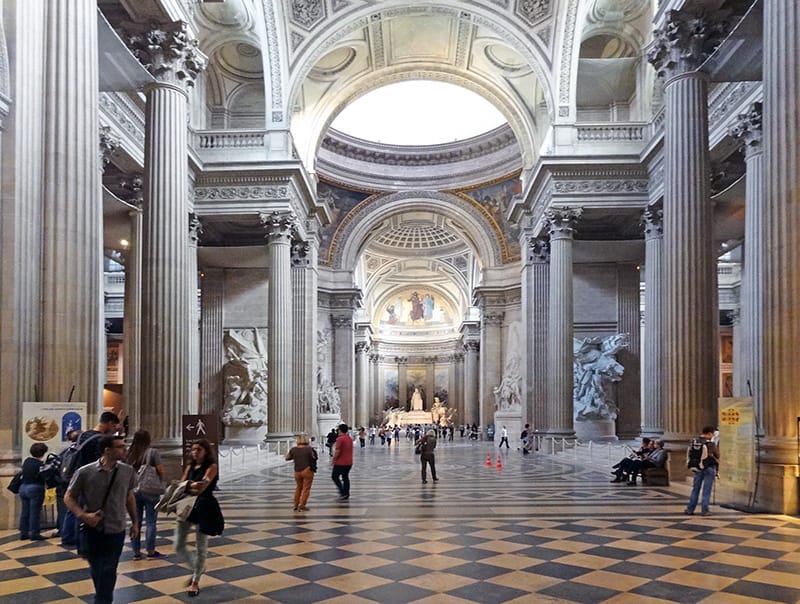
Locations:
{"points": [[149, 488], [201, 472]]}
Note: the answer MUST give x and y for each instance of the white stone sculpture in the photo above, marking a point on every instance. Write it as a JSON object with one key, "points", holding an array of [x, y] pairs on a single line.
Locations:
{"points": [[595, 368], [245, 378], [328, 400], [416, 400], [508, 394]]}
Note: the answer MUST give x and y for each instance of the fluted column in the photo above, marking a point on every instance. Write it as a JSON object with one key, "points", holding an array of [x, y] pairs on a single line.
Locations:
{"points": [[71, 323], [535, 292], [490, 363], [560, 407], [193, 334], [652, 347], [691, 319], [132, 322], [279, 227], [376, 400], [780, 281], [362, 384], [402, 382], [304, 319], [456, 401], [212, 356], [172, 58], [470, 335], [748, 336]]}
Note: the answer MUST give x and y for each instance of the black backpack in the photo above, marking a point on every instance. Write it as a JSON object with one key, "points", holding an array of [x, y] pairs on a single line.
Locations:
{"points": [[69, 460], [696, 455]]}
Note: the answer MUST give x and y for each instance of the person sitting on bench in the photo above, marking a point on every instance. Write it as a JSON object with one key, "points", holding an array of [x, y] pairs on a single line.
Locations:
{"points": [[656, 458], [639, 454]]}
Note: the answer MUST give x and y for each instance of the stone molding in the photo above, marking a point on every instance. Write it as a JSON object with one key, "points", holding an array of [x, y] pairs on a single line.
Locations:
{"points": [[567, 48], [244, 193], [748, 130], [123, 117], [168, 53], [601, 186], [685, 41]]}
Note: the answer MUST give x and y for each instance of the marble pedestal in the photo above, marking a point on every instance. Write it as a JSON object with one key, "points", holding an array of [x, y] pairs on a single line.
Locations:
{"points": [[326, 421], [512, 420], [237, 436], [598, 430]]}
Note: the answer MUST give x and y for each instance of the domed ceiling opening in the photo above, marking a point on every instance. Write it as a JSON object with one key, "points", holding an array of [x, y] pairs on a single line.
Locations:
{"points": [[418, 113], [235, 92]]}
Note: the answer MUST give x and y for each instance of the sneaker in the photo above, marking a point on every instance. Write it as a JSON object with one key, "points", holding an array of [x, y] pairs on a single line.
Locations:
{"points": [[705, 513], [435, 480], [155, 555], [303, 508], [38, 538], [344, 497], [424, 482], [137, 555], [688, 512]]}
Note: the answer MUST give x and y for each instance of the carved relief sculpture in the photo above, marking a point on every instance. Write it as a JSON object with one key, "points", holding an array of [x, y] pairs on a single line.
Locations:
{"points": [[508, 394], [245, 378], [595, 368]]}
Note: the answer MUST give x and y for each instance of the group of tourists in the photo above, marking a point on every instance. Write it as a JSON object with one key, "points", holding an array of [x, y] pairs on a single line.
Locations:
{"points": [[99, 480]]}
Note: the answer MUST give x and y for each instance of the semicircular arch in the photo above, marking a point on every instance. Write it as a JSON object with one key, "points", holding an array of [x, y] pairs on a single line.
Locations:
{"points": [[480, 231]]}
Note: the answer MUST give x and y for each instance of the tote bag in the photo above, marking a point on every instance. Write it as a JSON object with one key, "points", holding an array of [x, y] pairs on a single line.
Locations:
{"points": [[147, 479]]}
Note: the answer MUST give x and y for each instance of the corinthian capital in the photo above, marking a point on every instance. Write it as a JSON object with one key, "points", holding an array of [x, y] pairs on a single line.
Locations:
{"points": [[685, 41], [278, 225], [538, 250], [108, 144], [168, 53], [561, 222], [195, 229], [653, 221], [748, 129]]}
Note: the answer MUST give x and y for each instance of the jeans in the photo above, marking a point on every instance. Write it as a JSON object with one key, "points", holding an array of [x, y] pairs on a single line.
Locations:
{"points": [[303, 480], [69, 529], [429, 459], [706, 479], [32, 496], [103, 552], [146, 508], [197, 558], [341, 478]]}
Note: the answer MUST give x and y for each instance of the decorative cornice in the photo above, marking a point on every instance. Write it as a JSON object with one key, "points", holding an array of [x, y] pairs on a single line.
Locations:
{"points": [[244, 193], [167, 52], [601, 186], [748, 130], [685, 41], [124, 117]]}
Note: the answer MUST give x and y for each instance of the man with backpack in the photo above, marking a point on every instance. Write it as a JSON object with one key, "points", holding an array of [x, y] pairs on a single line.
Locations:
{"points": [[84, 451], [702, 458]]}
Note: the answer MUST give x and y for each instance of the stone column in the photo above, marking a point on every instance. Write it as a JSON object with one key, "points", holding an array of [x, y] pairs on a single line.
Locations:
{"points": [[535, 292], [132, 322], [739, 353], [193, 392], [279, 227], [780, 281], [402, 383], [212, 355], [560, 406], [376, 400], [748, 337], [470, 335], [72, 361], [628, 391], [490, 363], [456, 401], [343, 362], [304, 318], [653, 348], [691, 318], [172, 58], [362, 384]]}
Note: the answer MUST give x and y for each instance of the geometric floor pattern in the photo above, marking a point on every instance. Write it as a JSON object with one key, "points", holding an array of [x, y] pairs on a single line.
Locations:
{"points": [[541, 529]]}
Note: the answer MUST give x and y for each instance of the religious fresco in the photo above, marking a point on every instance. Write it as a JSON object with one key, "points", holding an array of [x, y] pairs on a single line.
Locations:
{"points": [[391, 388], [413, 308], [340, 201], [496, 200], [441, 384]]}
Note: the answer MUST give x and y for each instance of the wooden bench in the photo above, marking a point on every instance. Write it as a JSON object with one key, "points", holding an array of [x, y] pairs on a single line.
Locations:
{"points": [[656, 477]]}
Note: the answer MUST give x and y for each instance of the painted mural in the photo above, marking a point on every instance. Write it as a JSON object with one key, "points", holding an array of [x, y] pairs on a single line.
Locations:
{"points": [[415, 307], [340, 201], [442, 384], [496, 199], [391, 388]]}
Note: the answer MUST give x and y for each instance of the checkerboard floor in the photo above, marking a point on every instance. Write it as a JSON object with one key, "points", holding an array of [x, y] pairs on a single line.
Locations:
{"points": [[540, 529]]}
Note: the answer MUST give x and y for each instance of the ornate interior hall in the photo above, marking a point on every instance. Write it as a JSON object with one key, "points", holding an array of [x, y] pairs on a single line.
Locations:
{"points": [[209, 210]]}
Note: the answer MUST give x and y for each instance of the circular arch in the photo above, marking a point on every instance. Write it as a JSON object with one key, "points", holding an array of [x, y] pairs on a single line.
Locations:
{"points": [[524, 130], [481, 234]]}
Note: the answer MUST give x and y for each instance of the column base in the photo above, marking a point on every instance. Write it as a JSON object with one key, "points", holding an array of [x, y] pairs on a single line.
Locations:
{"points": [[326, 421], [778, 490]]}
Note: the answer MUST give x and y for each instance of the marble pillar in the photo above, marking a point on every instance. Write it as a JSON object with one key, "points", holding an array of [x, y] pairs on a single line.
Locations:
{"points": [[172, 58], [343, 362], [212, 354], [535, 292], [652, 348], [279, 227], [560, 408], [132, 322], [691, 317], [72, 360], [304, 319], [780, 281], [628, 390], [362, 384], [490, 363], [470, 336], [402, 383], [193, 333], [376, 398], [748, 336], [456, 401]]}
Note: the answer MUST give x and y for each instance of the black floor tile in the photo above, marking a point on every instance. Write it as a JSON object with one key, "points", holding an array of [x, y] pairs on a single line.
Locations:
{"points": [[486, 593], [671, 592], [578, 592], [395, 593], [397, 572], [560, 571], [475, 570], [636, 569]]}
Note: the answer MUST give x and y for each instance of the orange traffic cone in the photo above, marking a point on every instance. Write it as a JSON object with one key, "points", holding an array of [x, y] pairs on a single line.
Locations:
{"points": [[488, 460], [499, 465]]}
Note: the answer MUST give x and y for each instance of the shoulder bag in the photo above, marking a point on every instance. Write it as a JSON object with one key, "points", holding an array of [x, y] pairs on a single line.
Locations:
{"points": [[147, 480], [15, 483]]}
